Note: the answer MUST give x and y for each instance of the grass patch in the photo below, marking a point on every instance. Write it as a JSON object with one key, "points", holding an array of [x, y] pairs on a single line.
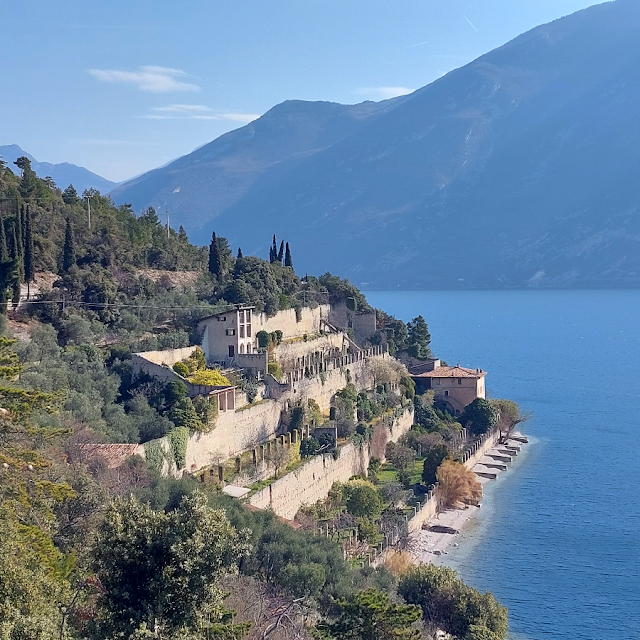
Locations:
{"points": [[253, 404]]}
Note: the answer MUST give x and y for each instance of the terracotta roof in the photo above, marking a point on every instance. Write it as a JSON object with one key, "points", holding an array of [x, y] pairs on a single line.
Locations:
{"points": [[113, 455], [452, 372]]}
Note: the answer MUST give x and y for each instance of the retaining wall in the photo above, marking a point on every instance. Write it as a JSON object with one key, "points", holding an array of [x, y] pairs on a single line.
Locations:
{"points": [[313, 480]]}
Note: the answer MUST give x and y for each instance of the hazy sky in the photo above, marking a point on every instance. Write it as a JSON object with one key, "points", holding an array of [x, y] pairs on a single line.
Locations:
{"points": [[121, 87]]}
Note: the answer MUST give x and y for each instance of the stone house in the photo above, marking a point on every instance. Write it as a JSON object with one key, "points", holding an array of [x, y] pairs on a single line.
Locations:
{"points": [[229, 334], [454, 387]]}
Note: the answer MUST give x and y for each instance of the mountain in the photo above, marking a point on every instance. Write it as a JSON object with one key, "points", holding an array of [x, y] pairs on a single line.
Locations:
{"points": [[519, 169], [203, 184], [63, 174]]}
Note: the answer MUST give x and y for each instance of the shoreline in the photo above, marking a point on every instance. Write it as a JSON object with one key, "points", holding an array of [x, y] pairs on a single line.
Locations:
{"points": [[427, 545]]}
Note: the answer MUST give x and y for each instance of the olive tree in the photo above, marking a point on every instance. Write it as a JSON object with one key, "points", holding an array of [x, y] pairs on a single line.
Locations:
{"points": [[158, 571]]}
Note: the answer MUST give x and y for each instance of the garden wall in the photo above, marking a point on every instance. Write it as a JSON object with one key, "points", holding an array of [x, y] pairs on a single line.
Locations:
{"points": [[313, 480]]}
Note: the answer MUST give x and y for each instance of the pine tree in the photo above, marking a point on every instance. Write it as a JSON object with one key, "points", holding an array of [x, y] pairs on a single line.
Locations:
{"points": [[239, 253], [29, 266], [69, 249], [29, 180], [70, 195], [281, 252], [215, 261], [4, 251], [287, 257]]}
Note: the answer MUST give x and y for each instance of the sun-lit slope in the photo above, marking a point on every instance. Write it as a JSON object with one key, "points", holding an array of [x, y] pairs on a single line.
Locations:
{"points": [[518, 169]]}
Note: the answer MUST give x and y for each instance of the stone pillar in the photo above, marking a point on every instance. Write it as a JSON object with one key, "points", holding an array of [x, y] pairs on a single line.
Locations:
{"points": [[281, 441], [261, 453], [294, 436], [255, 458], [288, 439]]}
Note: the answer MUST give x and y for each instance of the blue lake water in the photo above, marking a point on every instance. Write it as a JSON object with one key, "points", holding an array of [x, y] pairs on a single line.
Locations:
{"points": [[558, 537]]}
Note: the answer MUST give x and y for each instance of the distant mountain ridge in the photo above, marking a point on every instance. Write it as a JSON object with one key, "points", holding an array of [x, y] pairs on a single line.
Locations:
{"points": [[517, 170], [63, 174]]}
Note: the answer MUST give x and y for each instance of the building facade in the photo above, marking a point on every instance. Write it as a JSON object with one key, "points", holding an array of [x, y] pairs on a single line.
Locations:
{"points": [[232, 333], [454, 387]]}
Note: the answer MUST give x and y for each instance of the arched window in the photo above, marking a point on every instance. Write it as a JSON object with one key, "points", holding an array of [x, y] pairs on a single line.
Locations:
{"points": [[241, 348]]}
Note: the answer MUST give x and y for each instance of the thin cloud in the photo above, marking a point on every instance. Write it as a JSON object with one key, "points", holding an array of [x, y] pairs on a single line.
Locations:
{"points": [[150, 78], [104, 142], [384, 93], [196, 112], [183, 108]]}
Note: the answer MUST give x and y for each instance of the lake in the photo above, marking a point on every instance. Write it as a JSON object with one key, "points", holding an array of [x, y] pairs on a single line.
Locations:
{"points": [[558, 537]]}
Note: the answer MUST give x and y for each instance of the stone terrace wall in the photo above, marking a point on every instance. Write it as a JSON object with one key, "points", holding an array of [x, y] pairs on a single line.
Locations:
{"points": [[313, 480], [168, 356], [286, 321], [234, 432]]}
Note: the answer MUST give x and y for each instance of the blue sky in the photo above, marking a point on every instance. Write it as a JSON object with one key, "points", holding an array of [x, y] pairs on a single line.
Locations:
{"points": [[123, 87]]}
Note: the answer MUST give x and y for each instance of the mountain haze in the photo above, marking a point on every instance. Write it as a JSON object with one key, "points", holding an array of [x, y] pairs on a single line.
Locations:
{"points": [[519, 169], [63, 174]]}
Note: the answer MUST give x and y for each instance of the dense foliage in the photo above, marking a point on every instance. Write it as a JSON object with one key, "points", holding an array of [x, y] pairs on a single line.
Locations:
{"points": [[92, 551]]}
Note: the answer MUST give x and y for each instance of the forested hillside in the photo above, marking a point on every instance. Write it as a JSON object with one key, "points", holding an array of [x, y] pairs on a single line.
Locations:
{"points": [[93, 551]]}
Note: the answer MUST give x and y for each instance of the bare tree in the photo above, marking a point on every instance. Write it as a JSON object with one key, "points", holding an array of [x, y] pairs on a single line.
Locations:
{"points": [[278, 456]]}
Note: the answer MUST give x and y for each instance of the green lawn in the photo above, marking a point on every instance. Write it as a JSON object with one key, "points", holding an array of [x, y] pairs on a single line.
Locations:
{"points": [[389, 473]]}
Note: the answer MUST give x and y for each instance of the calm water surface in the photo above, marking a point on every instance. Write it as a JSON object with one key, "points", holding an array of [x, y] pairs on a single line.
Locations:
{"points": [[558, 537]]}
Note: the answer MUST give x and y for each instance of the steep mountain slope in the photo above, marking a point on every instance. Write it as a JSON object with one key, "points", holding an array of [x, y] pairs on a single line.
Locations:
{"points": [[201, 185], [516, 170], [63, 174]]}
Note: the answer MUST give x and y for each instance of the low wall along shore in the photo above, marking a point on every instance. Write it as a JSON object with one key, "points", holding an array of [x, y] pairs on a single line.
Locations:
{"points": [[470, 459], [313, 480]]}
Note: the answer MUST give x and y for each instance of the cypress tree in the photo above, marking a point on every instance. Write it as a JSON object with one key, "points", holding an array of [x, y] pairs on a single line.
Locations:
{"points": [[69, 249], [215, 261], [287, 257], [273, 252], [280, 253], [4, 251], [239, 253], [23, 227], [29, 266], [18, 228], [14, 249]]}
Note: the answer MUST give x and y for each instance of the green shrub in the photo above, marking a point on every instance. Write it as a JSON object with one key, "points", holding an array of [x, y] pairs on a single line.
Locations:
{"points": [[362, 500], [181, 369], [263, 339], [179, 438], [275, 370], [309, 447], [154, 454]]}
